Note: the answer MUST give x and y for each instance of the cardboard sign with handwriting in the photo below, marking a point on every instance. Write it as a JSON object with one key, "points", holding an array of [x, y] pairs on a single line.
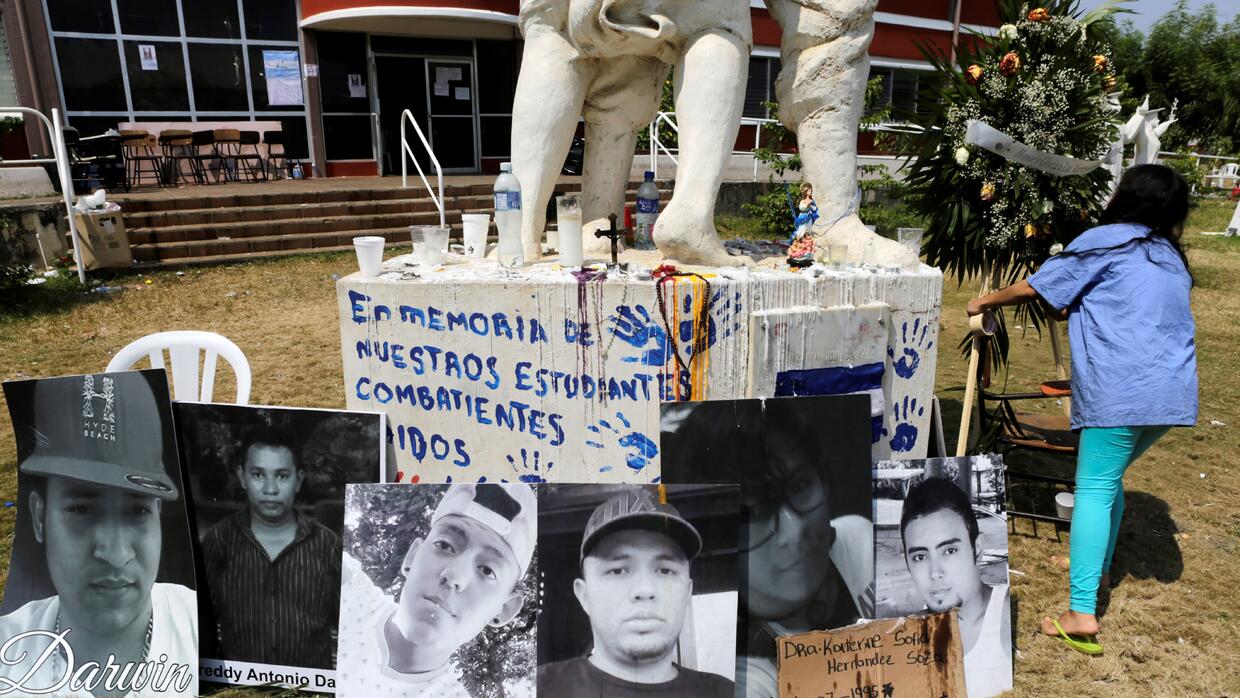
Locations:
{"points": [[912, 657]]}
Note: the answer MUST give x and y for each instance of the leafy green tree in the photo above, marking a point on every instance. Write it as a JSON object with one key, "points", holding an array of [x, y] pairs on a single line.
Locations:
{"points": [[1190, 57]]}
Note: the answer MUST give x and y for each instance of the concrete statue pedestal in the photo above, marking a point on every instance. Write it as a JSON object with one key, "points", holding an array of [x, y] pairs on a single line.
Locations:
{"points": [[543, 373]]}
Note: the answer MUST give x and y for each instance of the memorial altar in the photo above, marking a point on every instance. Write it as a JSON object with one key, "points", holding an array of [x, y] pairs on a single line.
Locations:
{"points": [[546, 374]]}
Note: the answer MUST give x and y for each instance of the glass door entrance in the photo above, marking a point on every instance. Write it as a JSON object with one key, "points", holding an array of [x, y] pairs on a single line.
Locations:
{"points": [[439, 92]]}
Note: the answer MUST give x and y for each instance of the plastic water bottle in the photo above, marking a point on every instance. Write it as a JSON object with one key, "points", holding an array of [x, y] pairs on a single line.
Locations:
{"points": [[647, 213], [508, 217]]}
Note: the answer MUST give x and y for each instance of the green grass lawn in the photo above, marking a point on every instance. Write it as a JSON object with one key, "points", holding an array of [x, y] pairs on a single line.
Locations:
{"points": [[1170, 624]]}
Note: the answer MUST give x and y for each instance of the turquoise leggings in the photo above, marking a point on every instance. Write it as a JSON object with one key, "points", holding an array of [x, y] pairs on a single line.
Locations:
{"points": [[1104, 454]]}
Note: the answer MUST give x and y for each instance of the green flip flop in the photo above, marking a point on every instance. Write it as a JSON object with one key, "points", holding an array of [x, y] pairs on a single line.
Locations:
{"points": [[1086, 644]]}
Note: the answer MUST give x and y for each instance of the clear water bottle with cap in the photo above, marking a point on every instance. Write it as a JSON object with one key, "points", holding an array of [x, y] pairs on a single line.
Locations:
{"points": [[647, 213], [508, 217]]}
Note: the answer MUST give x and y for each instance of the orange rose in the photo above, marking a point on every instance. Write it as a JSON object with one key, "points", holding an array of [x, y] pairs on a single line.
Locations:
{"points": [[988, 191], [1009, 64], [1030, 230], [973, 73], [1100, 63], [1040, 14]]}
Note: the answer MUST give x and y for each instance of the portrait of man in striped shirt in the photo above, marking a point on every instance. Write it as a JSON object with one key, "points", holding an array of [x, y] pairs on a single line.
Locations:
{"points": [[273, 572]]}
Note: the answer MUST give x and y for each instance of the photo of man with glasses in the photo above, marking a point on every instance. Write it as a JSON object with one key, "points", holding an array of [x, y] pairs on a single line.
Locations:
{"points": [[807, 548]]}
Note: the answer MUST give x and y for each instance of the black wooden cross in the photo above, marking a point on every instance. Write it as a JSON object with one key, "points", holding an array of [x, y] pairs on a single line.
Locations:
{"points": [[614, 235]]}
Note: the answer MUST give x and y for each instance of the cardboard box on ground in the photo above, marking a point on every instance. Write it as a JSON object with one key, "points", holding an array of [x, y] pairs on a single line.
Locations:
{"points": [[103, 240]]}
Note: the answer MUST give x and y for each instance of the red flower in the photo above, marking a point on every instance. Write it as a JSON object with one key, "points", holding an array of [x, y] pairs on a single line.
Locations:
{"points": [[1009, 64], [1040, 14]]}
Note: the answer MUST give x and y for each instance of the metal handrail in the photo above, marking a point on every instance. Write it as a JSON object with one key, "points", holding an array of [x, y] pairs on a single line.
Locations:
{"points": [[60, 156], [655, 145], [407, 115]]}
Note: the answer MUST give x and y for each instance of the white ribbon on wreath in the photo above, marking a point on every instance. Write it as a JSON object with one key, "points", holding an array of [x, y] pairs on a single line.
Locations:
{"points": [[983, 135]]}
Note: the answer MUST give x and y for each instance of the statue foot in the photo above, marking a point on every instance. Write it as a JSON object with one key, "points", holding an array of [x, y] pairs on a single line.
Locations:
{"points": [[864, 245], [692, 239]]}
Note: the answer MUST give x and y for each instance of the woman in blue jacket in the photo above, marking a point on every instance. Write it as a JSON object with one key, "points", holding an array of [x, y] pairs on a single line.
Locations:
{"points": [[1124, 289]]}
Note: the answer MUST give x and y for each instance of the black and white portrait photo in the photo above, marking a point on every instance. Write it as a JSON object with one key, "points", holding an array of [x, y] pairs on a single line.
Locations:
{"points": [[639, 590], [267, 486], [807, 540], [941, 543], [439, 596], [100, 597]]}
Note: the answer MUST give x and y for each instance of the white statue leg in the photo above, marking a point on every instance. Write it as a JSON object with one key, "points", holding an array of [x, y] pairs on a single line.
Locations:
{"points": [[619, 103], [710, 96], [821, 91], [549, 96]]}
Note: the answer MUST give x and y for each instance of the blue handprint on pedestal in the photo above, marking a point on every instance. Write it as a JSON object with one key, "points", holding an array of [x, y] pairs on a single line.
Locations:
{"points": [[905, 433], [639, 448], [723, 318], [634, 326], [531, 462], [914, 344]]}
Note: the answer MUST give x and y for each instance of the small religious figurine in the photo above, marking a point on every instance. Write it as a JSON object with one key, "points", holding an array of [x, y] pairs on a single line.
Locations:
{"points": [[804, 214]]}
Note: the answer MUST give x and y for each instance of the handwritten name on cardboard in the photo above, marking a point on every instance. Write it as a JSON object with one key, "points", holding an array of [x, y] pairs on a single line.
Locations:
{"points": [[913, 657]]}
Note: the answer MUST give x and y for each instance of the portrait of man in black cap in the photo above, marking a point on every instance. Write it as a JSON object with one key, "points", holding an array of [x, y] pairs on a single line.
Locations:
{"points": [[96, 479], [635, 585]]}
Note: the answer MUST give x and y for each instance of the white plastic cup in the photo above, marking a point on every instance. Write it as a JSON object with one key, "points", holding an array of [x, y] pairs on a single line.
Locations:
{"points": [[911, 238], [436, 240], [1064, 502], [476, 226], [369, 249], [837, 255], [568, 223]]}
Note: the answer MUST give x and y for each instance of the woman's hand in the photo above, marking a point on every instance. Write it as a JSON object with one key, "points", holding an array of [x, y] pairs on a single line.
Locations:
{"points": [[975, 307]]}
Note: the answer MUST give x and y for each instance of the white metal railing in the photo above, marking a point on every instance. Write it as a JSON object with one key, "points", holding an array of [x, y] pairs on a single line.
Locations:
{"points": [[657, 146], [406, 154], [60, 156]]}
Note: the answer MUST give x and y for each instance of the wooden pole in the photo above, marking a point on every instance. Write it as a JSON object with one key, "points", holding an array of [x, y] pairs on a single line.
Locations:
{"points": [[1060, 369], [970, 385]]}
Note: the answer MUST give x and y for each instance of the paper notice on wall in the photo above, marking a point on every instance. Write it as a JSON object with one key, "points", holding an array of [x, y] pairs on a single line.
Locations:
{"points": [[447, 74], [312, 70], [981, 134], [282, 70], [913, 657], [442, 89], [356, 87], [462, 94], [146, 52]]}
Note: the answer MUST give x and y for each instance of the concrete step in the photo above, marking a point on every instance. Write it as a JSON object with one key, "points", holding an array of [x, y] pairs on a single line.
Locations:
{"points": [[241, 214]]}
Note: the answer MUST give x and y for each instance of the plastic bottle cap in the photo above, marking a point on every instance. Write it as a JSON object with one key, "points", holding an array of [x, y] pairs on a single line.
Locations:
{"points": [[505, 167], [649, 176]]}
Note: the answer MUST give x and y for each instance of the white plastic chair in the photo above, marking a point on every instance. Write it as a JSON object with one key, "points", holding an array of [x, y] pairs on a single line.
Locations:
{"points": [[183, 347]]}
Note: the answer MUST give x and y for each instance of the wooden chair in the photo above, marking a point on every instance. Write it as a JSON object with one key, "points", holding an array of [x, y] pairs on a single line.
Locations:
{"points": [[138, 148], [177, 146], [251, 160], [1048, 434], [273, 140]]}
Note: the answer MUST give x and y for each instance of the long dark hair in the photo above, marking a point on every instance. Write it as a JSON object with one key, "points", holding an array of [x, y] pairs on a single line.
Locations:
{"points": [[1154, 196]]}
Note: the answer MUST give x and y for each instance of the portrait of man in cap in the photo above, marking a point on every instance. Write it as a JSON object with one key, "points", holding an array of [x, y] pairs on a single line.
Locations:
{"points": [[808, 544], [101, 492], [454, 580], [634, 583]]}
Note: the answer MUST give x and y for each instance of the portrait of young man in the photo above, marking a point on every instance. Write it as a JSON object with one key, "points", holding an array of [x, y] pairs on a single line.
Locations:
{"points": [[409, 615], [273, 572], [807, 545], [943, 553], [100, 499], [268, 490], [633, 581]]}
